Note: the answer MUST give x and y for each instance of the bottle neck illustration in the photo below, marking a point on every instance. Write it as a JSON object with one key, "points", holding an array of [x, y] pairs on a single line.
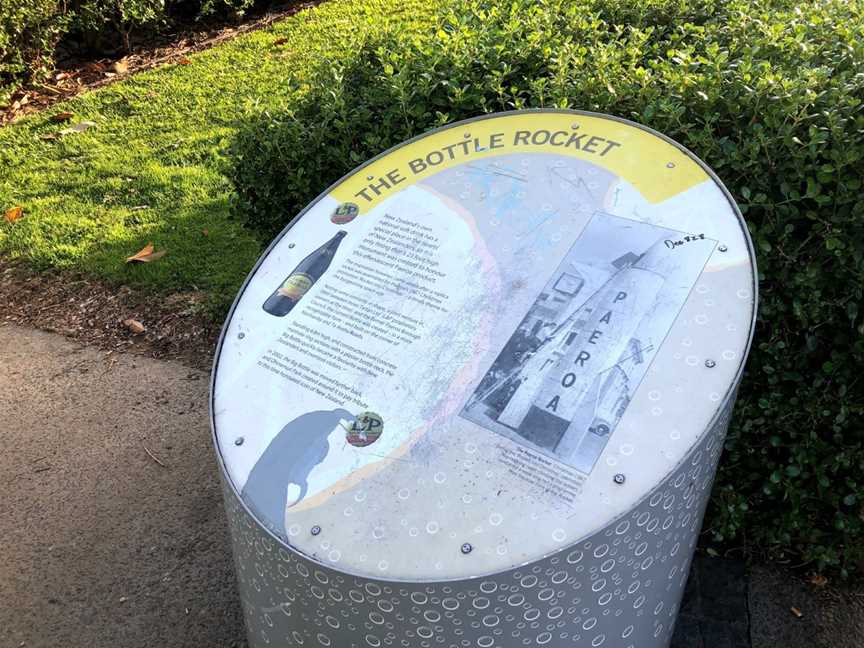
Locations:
{"points": [[329, 248]]}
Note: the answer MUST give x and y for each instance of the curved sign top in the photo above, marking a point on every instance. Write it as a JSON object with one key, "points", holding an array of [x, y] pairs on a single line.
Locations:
{"points": [[483, 345]]}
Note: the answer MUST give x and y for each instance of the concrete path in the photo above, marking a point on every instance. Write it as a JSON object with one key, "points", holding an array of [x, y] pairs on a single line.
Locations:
{"points": [[101, 546]]}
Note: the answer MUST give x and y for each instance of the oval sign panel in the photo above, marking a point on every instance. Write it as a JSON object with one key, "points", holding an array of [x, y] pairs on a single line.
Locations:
{"points": [[498, 336]]}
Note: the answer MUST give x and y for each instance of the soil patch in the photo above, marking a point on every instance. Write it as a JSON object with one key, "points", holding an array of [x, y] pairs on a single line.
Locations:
{"points": [[94, 312]]}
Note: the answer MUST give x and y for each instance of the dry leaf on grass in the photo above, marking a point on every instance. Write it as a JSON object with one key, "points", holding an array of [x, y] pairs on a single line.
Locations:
{"points": [[62, 116], [145, 255], [136, 327], [280, 41], [78, 128], [120, 67], [183, 61], [14, 213], [145, 251]]}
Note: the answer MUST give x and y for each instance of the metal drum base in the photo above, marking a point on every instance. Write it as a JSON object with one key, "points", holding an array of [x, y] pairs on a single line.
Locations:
{"points": [[620, 588]]}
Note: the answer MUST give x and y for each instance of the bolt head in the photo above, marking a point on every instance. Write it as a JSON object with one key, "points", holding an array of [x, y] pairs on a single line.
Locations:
{"points": [[239, 441], [316, 530], [240, 336], [670, 165], [710, 364], [723, 248], [619, 478], [466, 548]]}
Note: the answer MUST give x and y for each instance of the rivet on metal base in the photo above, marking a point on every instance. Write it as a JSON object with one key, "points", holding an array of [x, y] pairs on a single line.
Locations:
{"points": [[466, 548], [723, 248], [670, 165], [316, 530], [619, 478], [239, 441], [710, 364], [240, 336]]}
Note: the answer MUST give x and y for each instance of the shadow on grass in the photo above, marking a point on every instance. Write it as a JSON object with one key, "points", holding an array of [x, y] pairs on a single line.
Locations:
{"points": [[92, 217]]}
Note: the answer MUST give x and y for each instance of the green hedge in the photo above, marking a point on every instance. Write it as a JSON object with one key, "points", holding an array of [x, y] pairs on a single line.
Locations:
{"points": [[28, 33], [768, 94]]}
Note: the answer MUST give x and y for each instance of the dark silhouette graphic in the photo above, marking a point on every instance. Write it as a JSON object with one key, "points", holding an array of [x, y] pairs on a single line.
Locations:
{"points": [[292, 454]]}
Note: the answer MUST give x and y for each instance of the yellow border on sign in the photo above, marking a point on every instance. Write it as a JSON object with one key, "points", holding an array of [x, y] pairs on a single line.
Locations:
{"points": [[656, 168]]}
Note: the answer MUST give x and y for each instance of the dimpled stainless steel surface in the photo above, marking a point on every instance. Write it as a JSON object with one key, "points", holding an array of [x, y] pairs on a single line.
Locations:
{"points": [[619, 588]]}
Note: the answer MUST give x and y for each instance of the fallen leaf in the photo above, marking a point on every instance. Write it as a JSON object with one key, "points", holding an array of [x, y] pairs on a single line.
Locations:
{"points": [[798, 613], [147, 250], [95, 67], [145, 255], [136, 327], [110, 74], [120, 67], [78, 128], [818, 580], [62, 116], [205, 232], [14, 213], [61, 75], [183, 61], [49, 136], [280, 41]]}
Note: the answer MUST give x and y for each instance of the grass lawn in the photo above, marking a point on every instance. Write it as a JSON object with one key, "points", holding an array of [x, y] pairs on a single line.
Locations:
{"points": [[152, 169]]}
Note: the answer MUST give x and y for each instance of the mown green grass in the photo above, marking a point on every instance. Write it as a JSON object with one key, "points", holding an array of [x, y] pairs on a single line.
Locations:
{"points": [[160, 141]]}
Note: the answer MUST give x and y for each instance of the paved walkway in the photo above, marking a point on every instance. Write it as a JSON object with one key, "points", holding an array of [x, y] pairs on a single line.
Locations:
{"points": [[102, 546]]}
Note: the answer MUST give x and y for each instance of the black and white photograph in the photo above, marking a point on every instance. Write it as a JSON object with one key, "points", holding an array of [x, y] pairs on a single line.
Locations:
{"points": [[565, 377]]}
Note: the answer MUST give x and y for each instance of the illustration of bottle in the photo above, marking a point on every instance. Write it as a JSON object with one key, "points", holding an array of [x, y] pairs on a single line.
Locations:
{"points": [[303, 277]]}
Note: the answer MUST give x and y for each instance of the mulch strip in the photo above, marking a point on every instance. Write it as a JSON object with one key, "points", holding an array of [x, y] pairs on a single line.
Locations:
{"points": [[94, 313], [78, 76]]}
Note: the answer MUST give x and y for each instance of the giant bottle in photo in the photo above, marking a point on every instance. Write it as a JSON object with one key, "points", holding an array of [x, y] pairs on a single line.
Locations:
{"points": [[564, 403], [302, 278]]}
